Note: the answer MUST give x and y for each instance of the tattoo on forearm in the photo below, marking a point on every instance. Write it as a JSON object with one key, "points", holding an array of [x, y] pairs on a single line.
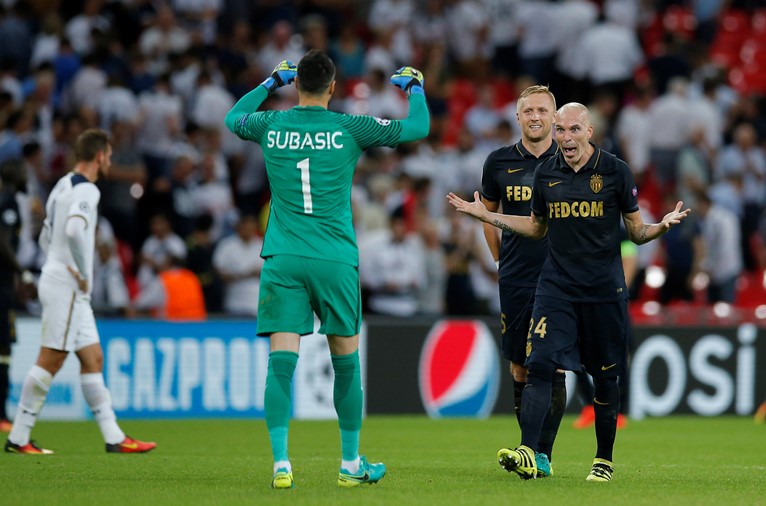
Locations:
{"points": [[642, 233], [503, 226]]}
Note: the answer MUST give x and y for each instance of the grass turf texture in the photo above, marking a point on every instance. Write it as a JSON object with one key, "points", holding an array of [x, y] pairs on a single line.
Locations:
{"points": [[675, 460]]}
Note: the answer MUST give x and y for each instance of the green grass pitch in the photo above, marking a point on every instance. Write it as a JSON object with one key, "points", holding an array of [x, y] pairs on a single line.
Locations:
{"points": [[658, 462]]}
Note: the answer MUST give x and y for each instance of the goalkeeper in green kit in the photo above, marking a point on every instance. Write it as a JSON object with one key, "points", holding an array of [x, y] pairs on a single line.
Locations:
{"points": [[310, 251]]}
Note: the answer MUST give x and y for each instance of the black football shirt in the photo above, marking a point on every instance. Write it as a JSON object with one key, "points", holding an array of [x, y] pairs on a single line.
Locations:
{"points": [[507, 178], [583, 210]]}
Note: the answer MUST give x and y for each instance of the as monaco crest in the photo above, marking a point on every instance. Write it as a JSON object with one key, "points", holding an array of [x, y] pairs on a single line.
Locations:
{"points": [[596, 183]]}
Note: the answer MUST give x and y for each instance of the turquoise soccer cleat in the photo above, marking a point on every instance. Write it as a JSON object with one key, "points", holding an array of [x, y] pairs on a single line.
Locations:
{"points": [[367, 473]]}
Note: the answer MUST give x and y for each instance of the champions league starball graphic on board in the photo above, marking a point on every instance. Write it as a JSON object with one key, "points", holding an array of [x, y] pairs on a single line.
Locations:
{"points": [[459, 370]]}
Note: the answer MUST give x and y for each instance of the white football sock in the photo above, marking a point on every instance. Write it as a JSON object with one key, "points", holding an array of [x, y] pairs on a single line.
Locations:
{"points": [[352, 466], [283, 464], [95, 392], [33, 394]]}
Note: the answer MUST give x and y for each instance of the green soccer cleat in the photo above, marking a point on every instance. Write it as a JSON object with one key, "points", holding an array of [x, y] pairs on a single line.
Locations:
{"points": [[367, 473], [601, 471], [544, 466], [282, 479], [520, 461]]}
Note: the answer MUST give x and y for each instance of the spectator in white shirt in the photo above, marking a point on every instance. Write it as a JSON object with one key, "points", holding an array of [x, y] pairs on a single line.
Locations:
{"points": [[610, 53], [79, 29], [156, 252], [634, 129], [394, 270], [237, 259], [163, 39], [723, 255], [161, 122], [671, 121]]}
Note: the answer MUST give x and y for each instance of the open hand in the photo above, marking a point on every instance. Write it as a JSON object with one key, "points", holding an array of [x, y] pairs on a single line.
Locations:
{"points": [[674, 217], [475, 208]]}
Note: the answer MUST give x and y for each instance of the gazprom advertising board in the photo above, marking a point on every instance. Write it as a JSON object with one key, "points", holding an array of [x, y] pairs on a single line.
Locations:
{"points": [[182, 370]]}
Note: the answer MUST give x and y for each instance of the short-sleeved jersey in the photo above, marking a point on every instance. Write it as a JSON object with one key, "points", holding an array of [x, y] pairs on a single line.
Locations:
{"points": [[311, 154], [583, 210], [73, 197], [10, 222], [507, 178]]}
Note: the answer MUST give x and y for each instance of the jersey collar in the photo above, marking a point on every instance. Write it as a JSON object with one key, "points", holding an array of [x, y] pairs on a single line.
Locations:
{"points": [[524, 152], [592, 163]]}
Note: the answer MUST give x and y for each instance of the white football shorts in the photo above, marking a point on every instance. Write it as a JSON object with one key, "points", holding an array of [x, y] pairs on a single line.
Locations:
{"points": [[68, 321]]}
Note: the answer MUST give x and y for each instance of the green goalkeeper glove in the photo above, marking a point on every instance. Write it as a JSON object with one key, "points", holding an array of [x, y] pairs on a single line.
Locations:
{"points": [[408, 79], [283, 74]]}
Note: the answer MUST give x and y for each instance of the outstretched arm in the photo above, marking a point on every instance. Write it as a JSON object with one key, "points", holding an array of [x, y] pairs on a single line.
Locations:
{"points": [[492, 234], [532, 226], [641, 233]]}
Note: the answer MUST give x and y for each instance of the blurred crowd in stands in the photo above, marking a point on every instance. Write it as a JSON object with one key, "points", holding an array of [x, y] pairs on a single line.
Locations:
{"points": [[676, 88]]}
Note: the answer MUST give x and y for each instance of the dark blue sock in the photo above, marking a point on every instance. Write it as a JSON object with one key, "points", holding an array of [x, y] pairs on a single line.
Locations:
{"points": [[555, 414], [534, 406], [606, 405]]}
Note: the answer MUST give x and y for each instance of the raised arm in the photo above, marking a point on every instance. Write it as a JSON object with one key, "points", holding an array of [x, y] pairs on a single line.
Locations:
{"points": [[418, 122], [641, 233], [533, 226], [283, 74]]}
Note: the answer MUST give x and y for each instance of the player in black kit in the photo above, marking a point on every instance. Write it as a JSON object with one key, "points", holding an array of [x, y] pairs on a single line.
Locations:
{"points": [[507, 179], [579, 314]]}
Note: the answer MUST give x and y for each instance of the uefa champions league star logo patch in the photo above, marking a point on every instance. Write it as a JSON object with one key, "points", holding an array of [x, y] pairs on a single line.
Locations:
{"points": [[383, 122]]}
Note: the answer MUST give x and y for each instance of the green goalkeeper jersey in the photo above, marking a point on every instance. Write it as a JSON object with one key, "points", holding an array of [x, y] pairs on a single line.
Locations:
{"points": [[311, 154]]}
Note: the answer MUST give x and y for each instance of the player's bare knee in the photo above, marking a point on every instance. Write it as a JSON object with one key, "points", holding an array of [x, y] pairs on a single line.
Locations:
{"points": [[51, 360], [91, 359]]}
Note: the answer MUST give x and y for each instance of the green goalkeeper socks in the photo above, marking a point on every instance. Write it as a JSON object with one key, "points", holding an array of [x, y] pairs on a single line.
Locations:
{"points": [[348, 398], [278, 400]]}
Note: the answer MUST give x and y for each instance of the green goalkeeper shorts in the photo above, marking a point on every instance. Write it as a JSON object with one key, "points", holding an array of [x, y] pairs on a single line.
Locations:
{"points": [[293, 288]]}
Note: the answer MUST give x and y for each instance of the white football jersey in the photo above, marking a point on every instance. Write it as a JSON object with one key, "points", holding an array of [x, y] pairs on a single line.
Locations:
{"points": [[72, 196]]}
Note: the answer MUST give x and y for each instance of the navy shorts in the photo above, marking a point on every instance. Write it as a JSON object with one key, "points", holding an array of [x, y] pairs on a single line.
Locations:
{"points": [[569, 335], [515, 311]]}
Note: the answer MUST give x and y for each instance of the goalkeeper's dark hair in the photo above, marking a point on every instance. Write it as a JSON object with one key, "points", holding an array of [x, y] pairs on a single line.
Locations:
{"points": [[534, 90], [316, 72]]}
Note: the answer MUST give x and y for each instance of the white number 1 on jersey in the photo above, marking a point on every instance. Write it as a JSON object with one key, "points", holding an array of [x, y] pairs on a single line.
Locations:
{"points": [[308, 207]]}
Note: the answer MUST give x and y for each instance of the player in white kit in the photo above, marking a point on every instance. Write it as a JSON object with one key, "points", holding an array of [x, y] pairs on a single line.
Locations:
{"points": [[68, 324]]}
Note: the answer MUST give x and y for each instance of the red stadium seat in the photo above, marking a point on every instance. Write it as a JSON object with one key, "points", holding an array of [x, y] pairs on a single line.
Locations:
{"points": [[735, 21], [753, 52], [759, 23], [679, 20], [748, 80]]}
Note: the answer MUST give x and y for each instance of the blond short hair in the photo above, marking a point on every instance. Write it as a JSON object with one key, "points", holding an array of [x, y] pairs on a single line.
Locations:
{"points": [[534, 90]]}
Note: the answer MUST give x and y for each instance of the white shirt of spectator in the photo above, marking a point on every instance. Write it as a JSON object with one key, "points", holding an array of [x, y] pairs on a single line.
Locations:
{"points": [[537, 20], [573, 19], [117, 103], [634, 130], [79, 30], [159, 250], [751, 164], [670, 118], [159, 110], [723, 253], [235, 257], [399, 264], [466, 21], [608, 52]]}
